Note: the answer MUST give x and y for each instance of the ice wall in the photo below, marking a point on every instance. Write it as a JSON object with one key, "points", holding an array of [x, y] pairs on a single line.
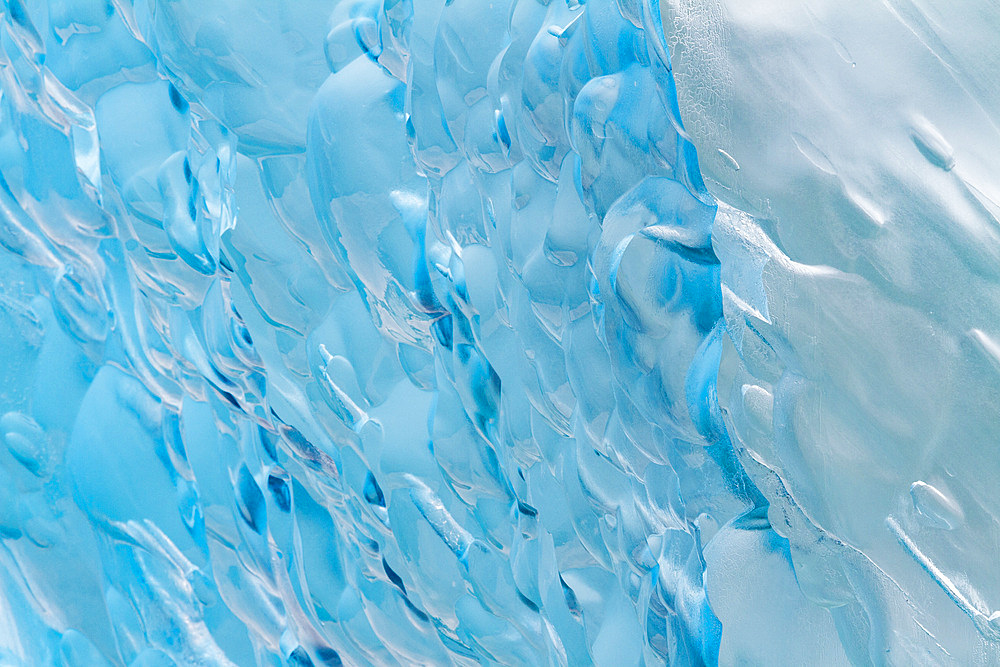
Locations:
{"points": [[859, 244], [389, 333]]}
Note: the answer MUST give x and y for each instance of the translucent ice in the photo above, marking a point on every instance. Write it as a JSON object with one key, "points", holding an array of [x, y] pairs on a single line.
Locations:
{"points": [[414, 332], [859, 246]]}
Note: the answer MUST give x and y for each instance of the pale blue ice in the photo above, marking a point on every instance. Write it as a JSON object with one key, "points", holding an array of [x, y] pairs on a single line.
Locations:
{"points": [[501, 332]]}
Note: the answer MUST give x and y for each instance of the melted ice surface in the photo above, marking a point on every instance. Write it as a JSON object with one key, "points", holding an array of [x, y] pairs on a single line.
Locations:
{"points": [[408, 332], [860, 249]]}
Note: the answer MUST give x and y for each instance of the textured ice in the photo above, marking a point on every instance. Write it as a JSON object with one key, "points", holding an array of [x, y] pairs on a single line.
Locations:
{"points": [[383, 332]]}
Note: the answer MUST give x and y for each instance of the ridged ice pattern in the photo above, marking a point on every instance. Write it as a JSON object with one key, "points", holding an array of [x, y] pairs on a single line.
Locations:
{"points": [[383, 332]]}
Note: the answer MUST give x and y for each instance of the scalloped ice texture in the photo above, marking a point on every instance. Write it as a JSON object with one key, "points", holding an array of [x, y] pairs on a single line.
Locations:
{"points": [[389, 332]]}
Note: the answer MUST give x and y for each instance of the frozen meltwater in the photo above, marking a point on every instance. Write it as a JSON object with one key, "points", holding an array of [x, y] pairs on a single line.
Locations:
{"points": [[520, 332]]}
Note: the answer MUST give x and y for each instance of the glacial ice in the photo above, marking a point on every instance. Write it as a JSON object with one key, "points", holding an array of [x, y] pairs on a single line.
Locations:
{"points": [[515, 332]]}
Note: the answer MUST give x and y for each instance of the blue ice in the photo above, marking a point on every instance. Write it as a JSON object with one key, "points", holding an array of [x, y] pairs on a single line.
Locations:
{"points": [[522, 332]]}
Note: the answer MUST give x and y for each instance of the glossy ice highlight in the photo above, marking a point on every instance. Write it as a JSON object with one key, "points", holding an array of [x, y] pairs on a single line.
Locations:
{"points": [[518, 332]]}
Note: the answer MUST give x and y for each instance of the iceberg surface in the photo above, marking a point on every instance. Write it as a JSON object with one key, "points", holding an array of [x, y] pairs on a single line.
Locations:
{"points": [[519, 332]]}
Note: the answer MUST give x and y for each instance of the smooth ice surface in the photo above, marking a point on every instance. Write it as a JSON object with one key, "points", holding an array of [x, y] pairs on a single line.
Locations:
{"points": [[413, 332]]}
